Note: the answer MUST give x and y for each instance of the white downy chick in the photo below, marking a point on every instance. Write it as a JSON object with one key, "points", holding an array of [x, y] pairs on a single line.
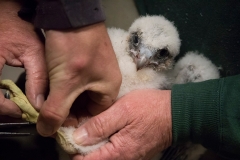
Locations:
{"points": [[194, 67], [144, 54], [154, 42]]}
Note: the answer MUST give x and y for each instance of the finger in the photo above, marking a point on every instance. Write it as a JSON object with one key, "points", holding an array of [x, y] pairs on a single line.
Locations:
{"points": [[113, 150], [36, 76], [8, 107], [106, 152], [55, 109], [121, 146], [101, 126]]}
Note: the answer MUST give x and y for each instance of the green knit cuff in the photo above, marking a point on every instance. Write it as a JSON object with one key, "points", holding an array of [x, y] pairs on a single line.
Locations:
{"points": [[195, 112]]}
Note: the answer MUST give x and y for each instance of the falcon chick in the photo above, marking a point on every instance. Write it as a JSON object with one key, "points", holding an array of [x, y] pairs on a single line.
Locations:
{"points": [[194, 67], [145, 52]]}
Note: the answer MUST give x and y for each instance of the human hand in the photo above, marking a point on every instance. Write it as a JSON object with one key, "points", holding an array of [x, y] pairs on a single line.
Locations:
{"points": [[20, 46], [78, 60], [138, 124]]}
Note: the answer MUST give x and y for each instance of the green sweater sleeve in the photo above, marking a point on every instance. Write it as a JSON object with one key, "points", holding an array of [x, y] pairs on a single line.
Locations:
{"points": [[208, 113]]}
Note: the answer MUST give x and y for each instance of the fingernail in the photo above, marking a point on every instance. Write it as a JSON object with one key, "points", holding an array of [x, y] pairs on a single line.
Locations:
{"points": [[39, 101], [80, 136], [44, 129]]}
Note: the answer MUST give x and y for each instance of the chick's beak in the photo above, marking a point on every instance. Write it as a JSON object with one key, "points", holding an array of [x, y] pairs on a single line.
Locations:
{"points": [[143, 57], [141, 62]]}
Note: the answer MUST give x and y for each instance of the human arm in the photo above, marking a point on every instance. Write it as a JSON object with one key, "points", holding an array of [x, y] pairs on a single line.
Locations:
{"points": [[79, 58], [206, 113], [20, 46]]}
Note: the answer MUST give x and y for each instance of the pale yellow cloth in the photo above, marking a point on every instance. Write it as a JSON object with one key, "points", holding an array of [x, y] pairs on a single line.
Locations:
{"points": [[31, 115]]}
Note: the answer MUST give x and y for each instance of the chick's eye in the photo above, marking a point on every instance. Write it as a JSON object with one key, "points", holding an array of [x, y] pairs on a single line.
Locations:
{"points": [[162, 53], [135, 40]]}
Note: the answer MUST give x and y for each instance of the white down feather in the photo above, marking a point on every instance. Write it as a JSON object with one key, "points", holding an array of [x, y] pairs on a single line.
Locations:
{"points": [[131, 78], [194, 67]]}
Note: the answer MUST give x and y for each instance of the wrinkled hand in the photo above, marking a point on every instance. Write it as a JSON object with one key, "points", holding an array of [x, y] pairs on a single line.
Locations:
{"points": [[20, 46], [138, 124], [78, 60]]}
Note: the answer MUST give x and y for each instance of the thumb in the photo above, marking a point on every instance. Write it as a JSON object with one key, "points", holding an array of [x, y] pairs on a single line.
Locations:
{"points": [[36, 78], [55, 109], [100, 127]]}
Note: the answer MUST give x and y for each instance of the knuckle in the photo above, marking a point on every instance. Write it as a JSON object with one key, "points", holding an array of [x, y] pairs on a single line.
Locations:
{"points": [[51, 115], [113, 152], [78, 64], [99, 127], [39, 74]]}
